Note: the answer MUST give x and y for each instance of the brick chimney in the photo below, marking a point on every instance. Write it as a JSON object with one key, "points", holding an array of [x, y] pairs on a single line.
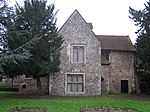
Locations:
{"points": [[90, 25]]}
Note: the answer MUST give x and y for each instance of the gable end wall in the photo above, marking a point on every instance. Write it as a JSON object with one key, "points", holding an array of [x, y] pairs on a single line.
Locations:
{"points": [[76, 32]]}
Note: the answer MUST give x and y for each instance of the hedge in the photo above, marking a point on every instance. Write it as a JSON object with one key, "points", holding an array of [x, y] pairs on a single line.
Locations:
{"points": [[12, 89]]}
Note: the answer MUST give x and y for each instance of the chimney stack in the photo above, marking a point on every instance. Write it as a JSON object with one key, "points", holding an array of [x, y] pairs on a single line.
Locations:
{"points": [[90, 25]]}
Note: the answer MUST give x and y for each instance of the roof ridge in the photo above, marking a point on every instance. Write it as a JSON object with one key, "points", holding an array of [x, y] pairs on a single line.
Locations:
{"points": [[114, 35], [120, 43]]}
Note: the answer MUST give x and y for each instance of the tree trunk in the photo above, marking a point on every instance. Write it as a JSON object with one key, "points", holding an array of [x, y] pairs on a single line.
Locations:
{"points": [[12, 82], [39, 86], [138, 85], [49, 84]]}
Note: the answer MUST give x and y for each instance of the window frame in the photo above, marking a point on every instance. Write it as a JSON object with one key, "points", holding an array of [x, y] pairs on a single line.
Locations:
{"points": [[66, 84], [84, 53]]}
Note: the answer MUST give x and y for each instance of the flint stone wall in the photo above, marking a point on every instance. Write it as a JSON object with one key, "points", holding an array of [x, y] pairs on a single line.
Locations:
{"points": [[26, 85], [76, 32], [121, 68], [30, 84]]}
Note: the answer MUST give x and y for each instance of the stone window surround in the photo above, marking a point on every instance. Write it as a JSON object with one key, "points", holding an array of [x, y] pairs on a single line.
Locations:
{"points": [[71, 53], [75, 93], [26, 77]]}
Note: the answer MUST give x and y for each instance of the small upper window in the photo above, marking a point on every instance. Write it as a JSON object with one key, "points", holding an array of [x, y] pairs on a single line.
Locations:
{"points": [[105, 57], [78, 54]]}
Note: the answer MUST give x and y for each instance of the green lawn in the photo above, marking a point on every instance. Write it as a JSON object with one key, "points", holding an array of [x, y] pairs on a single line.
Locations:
{"points": [[71, 104]]}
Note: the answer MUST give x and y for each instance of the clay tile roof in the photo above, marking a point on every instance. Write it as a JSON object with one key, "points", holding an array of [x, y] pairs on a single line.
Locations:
{"points": [[118, 43]]}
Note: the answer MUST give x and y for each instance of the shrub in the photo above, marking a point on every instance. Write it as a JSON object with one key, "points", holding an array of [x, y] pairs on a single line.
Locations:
{"points": [[12, 89]]}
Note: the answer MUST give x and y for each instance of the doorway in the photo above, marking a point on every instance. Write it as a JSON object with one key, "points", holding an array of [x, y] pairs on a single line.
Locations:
{"points": [[124, 86], [144, 87]]}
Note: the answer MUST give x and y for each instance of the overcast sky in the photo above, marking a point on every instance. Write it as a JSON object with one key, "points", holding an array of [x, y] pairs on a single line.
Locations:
{"points": [[109, 17]]}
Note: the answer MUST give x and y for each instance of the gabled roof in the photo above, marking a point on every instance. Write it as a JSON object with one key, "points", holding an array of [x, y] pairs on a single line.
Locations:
{"points": [[76, 12], [118, 43], [108, 42]]}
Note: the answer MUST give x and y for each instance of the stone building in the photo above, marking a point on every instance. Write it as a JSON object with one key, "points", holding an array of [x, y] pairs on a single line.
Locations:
{"points": [[117, 64], [80, 60], [91, 64]]}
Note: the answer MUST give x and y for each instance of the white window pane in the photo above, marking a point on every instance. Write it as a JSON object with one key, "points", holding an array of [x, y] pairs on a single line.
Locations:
{"points": [[74, 88], [81, 54], [75, 83], [80, 87], [69, 87], [78, 54], [69, 79], [74, 78], [75, 54], [80, 78]]}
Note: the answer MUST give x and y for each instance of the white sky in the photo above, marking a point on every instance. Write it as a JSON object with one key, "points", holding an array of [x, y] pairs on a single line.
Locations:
{"points": [[109, 17]]}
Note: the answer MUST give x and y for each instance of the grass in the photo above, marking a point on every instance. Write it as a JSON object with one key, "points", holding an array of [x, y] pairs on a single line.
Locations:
{"points": [[71, 104], [3, 94]]}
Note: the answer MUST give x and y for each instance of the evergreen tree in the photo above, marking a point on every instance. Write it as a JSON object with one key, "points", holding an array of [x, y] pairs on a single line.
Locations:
{"points": [[7, 56], [142, 45], [35, 19]]}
